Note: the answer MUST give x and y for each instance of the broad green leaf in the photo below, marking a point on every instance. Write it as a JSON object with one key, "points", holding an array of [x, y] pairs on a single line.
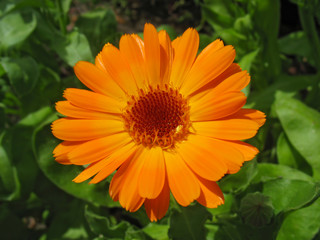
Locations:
{"points": [[246, 61], [188, 223], [302, 126], [23, 73], [270, 171], [302, 224], [289, 156], [100, 224], [9, 184], [75, 47], [157, 231], [290, 84], [15, 27], [292, 43], [286, 194], [62, 175], [100, 27], [239, 181]]}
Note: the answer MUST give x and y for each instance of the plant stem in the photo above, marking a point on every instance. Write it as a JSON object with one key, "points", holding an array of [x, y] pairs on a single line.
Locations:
{"points": [[61, 17]]}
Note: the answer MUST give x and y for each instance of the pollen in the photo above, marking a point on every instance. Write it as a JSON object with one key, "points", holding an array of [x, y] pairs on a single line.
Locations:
{"points": [[159, 117]]}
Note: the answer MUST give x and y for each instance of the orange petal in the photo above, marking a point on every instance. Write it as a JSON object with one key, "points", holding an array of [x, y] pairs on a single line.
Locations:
{"points": [[129, 197], [110, 163], [166, 57], [93, 101], [61, 151], [208, 68], [185, 51], [198, 154], [152, 51], [98, 149], [211, 107], [84, 130], [210, 49], [130, 49], [255, 115], [97, 80], [232, 69], [248, 151], [152, 174], [235, 82], [183, 184], [140, 44], [118, 68], [230, 129], [69, 110], [99, 63], [116, 159], [157, 208], [211, 195]]}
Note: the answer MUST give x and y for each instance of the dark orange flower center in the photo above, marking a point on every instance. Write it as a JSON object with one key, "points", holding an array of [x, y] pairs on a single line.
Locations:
{"points": [[159, 117]]}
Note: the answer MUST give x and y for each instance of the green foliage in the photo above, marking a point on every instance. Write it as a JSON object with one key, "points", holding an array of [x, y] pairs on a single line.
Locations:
{"points": [[274, 196]]}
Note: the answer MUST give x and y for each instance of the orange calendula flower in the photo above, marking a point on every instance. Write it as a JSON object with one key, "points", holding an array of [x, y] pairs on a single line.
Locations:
{"points": [[161, 116]]}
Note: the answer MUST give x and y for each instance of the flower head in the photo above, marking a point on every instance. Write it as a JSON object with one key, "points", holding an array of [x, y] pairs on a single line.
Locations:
{"points": [[165, 119]]}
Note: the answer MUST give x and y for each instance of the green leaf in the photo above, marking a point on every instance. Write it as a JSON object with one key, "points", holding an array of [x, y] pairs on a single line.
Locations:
{"points": [[289, 156], [241, 180], [302, 224], [188, 223], [287, 194], [23, 73], [229, 201], [247, 60], [291, 44], [290, 84], [270, 171], [302, 126], [99, 26], [15, 27], [101, 224], [75, 47], [62, 175], [157, 231]]}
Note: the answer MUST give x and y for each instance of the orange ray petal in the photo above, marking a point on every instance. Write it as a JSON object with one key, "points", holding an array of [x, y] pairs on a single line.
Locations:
{"points": [[230, 129], [118, 68], [166, 57], [93, 101], [116, 159], [69, 110], [211, 107], [211, 195], [207, 68], [198, 154], [182, 182], [248, 151], [129, 197], [185, 51], [140, 44], [157, 208], [130, 49], [99, 63], [60, 152], [84, 129], [152, 174], [211, 48], [110, 163], [97, 149], [97, 80], [232, 69], [255, 115], [235, 82], [152, 51]]}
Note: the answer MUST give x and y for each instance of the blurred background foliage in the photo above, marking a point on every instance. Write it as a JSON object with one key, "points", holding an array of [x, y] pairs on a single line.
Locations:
{"points": [[275, 196]]}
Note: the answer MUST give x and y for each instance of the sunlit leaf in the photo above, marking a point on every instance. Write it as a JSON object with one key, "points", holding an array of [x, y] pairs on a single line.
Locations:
{"points": [[302, 126], [302, 224]]}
